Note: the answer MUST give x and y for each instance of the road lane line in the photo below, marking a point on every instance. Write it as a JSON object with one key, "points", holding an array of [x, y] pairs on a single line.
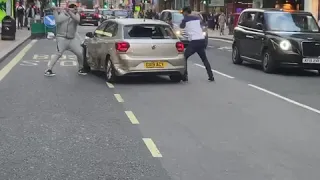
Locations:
{"points": [[110, 85], [215, 71], [286, 99], [119, 98], [152, 147], [6, 69], [132, 117], [215, 39]]}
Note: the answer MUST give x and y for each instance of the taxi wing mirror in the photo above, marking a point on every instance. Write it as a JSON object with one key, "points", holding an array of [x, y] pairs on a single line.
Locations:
{"points": [[89, 34]]}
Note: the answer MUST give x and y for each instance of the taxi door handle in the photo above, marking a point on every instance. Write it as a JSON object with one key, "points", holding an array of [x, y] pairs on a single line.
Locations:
{"points": [[248, 36]]}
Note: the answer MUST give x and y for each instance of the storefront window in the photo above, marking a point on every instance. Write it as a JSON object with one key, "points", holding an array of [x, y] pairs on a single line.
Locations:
{"points": [[289, 5]]}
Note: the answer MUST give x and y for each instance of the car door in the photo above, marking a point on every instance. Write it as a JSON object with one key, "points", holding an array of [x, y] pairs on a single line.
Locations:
{"points": [[259, 36], [92, 45], [106, 42], [248, 34]]}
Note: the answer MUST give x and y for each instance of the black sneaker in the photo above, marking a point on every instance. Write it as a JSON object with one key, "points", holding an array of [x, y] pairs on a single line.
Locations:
{"points": [[82, 72], [49, 73], [211, 78]]}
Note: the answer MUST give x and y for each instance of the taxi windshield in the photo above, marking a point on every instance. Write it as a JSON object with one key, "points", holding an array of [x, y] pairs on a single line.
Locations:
{"points": [[107, 12], [290, 22], [121, 13], [177, 18]]}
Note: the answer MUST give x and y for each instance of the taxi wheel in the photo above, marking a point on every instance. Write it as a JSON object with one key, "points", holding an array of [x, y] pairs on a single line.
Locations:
{"points": [[236, 59], [268, 65], [109, 71], [175, 78]]}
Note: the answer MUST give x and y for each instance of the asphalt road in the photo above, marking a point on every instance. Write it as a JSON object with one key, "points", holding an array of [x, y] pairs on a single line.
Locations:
{"points": [[79, 127]]}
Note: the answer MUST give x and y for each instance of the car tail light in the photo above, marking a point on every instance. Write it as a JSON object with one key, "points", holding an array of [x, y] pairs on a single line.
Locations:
{"points": [[96, 15], [122, 46], [180, 46], [82, 14]]}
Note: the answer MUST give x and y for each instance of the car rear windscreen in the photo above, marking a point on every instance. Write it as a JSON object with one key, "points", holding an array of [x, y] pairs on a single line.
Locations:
{"points": [[148, 31]]}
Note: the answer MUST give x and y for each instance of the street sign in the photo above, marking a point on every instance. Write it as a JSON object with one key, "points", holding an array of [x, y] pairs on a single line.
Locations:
{"points": [[49, 21]]}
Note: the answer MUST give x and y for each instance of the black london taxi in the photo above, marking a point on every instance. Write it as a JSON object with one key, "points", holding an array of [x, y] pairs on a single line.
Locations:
{"points": [[275, 38]]}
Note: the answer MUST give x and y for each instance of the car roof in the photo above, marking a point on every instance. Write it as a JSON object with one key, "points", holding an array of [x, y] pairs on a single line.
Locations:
{"points": [[274, 10], [88, 10], [169, 10], [132, 21]]}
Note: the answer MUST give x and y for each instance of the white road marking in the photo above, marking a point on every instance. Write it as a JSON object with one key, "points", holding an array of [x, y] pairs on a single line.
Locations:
{"points": [[286, 99], [217, 72], [222, 40]]}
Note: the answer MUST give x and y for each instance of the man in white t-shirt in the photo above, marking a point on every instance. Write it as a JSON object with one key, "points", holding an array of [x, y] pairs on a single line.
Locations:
{"points": [[192, 26]]}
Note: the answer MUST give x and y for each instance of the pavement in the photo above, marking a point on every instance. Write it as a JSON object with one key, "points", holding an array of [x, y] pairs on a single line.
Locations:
{"points": [[8, 46], [247, 125], [216, 35]]}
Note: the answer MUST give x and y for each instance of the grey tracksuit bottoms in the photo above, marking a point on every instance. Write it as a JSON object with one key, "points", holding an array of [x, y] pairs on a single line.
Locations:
{"points": [[63, 44]]}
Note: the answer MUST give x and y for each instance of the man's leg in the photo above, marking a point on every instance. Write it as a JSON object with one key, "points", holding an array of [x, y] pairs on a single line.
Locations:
{"points": [[75, 47], [202, 53], [187, 53], [62, 45]]}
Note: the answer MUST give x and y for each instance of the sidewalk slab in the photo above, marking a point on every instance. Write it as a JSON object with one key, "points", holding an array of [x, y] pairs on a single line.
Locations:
{"points": [[216, 34], [7, 46]]}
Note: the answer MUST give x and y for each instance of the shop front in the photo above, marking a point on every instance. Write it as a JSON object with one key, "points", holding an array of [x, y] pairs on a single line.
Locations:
{"points": [[6, 8]]}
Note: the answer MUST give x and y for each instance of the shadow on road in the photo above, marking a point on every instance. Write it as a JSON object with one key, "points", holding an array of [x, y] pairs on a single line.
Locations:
{"points": [[150, 79]]}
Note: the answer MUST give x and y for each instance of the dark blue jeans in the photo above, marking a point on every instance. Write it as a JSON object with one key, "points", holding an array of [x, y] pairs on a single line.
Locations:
{"points": [[198, 46]]}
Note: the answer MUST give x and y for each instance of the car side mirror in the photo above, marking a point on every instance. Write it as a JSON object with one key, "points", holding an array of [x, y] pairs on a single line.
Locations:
{"points": [[260, 26], [89, 34]]}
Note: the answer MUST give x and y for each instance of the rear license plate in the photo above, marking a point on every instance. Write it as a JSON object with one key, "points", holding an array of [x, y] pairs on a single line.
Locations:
{"points": [[311, 60], [89, 17], [157, 64]]}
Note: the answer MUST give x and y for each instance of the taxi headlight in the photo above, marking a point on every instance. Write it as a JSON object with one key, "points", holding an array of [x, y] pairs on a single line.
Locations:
{"points": [[285, 45], [178, 32]]}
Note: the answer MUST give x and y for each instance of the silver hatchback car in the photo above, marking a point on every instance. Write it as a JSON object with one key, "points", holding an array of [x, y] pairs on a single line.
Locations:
{"points": [[121, 47]]}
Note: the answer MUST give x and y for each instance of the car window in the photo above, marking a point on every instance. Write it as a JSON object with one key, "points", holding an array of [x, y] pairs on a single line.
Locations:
{"points": [[99, 32], [291, 22], [148, 31], [247, 19], [163, 16], [177, 18], [107, 12], [111, 29], [88, 12], [259, 19], [120, 13]]}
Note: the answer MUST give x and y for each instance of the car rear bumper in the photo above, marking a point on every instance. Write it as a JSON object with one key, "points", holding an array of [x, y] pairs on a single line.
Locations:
{"points": [[93, 21], [135, 66]]}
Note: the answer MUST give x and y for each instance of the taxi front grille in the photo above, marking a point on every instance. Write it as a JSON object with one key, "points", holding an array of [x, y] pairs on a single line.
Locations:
{"points": [[311, 49]]}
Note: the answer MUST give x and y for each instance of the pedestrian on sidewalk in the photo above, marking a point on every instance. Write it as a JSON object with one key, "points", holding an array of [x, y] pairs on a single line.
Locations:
{"points": [[30, 13], [222, 23], [67, 37], [192, 26], [20, 14]]}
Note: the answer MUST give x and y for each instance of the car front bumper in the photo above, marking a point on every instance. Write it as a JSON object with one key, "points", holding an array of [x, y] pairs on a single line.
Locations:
{"points": [[294, 60]]}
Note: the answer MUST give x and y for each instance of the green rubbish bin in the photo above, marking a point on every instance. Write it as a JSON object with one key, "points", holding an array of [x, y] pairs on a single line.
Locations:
{"points": [[38, 30]]}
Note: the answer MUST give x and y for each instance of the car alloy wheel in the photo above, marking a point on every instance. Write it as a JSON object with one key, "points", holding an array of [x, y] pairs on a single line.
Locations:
{"points": [[236, 56], [266, 59]]}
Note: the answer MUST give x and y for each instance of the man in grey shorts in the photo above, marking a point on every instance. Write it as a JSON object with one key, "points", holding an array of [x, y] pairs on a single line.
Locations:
{"points": [[66, 35]]}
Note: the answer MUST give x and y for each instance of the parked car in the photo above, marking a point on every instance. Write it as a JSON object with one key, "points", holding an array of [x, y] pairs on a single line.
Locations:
{"points": [[121, 47], [275, 38], [174, 18], [89, 16]]}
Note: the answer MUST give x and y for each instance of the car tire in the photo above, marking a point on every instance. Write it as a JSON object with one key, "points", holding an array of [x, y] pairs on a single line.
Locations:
{"points": [[110, 73], [268, 64], [86, 66], [176, 78], [236, 59]]}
